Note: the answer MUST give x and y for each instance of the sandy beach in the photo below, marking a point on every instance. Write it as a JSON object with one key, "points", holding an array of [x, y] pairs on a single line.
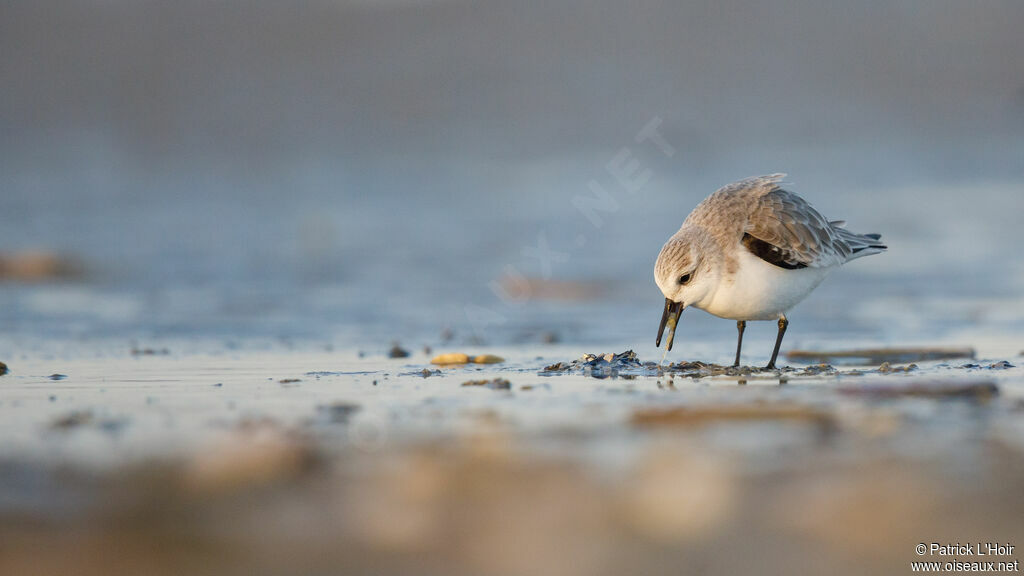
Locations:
{"points": [[310, 461]]}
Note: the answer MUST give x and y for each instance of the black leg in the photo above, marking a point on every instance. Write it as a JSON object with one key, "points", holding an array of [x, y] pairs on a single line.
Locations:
{"points": [[741, 325], [783, 324]]}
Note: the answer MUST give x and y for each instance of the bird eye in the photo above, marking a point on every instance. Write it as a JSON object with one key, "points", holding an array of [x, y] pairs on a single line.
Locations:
{"points": [[684, 279]]}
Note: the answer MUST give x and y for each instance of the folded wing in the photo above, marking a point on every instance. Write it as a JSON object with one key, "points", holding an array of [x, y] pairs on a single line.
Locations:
{"points": [[784, 230]]}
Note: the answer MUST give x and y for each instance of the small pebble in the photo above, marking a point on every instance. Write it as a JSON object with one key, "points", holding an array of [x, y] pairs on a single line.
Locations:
{"points": [[3, 368], [487, 359], [451, 358], [57, 376], [397, 352]]}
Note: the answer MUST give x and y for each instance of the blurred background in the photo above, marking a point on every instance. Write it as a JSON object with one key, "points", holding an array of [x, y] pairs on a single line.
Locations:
{"points": [[358, 171], [217, 216]]}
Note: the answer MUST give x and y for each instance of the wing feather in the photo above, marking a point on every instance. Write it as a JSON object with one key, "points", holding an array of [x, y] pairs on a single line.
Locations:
{"points": [[802, 236], [778, 226]]}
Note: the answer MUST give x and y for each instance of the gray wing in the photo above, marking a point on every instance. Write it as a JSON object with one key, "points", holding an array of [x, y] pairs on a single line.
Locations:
{"points": [[783, 229]]}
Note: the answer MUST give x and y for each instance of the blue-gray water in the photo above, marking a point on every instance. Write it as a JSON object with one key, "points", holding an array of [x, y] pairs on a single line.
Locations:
{"points": [[358, 172], [359, 270]]}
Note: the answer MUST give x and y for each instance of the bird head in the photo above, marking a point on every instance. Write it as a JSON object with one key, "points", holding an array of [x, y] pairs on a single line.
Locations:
{"points": [[682, 277]]}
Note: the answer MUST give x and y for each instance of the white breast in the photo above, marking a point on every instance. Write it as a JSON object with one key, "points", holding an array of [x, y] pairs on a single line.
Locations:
{"points": [[759, 290]]}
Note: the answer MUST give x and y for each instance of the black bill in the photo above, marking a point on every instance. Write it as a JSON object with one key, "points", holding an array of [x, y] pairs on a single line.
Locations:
{"points": [[669, 318]]}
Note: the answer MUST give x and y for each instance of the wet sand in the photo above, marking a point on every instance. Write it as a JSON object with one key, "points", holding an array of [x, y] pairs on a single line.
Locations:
{"points": [[292, 461]]}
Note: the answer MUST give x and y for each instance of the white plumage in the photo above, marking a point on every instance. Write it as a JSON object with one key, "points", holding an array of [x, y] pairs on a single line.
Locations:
{"points": [[752, 251]]}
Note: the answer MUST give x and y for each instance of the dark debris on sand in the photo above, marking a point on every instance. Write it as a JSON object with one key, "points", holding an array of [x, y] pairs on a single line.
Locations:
{"points": [[603, 365], [700, 369], [626, 364], [1001, 365], [397, 351]]}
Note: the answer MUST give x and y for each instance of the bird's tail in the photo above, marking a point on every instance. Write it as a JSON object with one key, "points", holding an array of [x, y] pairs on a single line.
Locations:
{"points": [[860, 244]]}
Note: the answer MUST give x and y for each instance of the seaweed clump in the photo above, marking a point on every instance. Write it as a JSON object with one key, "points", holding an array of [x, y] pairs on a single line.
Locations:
{"points": [[603, 365]]}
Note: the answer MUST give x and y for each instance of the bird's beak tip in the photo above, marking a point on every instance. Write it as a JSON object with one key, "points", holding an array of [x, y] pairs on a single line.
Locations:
{"points": [[669, 318]]}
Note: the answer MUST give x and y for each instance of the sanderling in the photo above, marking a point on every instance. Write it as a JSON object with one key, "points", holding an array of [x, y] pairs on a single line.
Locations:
{"points": [[751, 251]]}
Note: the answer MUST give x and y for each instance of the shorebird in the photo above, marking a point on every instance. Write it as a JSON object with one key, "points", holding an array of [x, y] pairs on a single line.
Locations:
{"points": [[751, 251]]}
